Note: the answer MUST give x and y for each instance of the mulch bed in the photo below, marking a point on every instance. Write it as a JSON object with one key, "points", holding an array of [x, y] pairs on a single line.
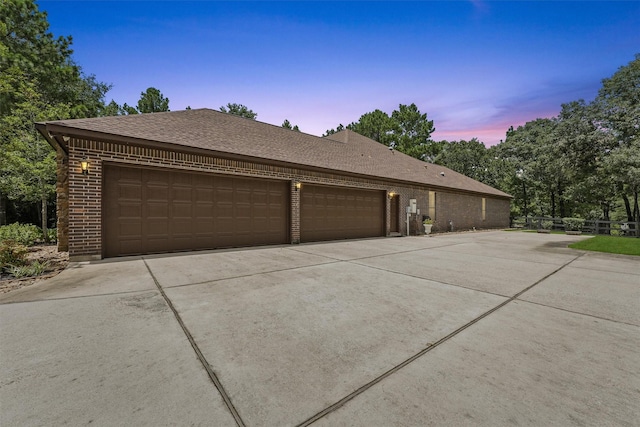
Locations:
{"points": [[58, 261]]}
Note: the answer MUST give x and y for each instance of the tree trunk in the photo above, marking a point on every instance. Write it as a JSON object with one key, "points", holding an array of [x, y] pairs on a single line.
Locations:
{"points": [[606, 208], [636, 210], [627, 206], [553, 204], [3, 209], [45, 232]]}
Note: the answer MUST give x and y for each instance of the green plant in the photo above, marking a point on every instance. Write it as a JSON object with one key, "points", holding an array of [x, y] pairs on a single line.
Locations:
{"points": [[53, 235], [25, 234], [547, 225], [12, 253], [573, 224], [36, 268], [428, 221]]}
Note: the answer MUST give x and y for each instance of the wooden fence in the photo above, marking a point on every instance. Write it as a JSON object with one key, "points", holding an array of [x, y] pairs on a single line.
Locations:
{"points": [[612, 228]]}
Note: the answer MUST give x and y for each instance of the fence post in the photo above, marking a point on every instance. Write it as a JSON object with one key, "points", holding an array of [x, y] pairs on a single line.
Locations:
{"points": [[597, 231]]}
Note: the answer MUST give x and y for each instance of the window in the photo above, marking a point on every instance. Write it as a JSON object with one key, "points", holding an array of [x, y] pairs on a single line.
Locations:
{"points": [[484, 209], [432, 205]]}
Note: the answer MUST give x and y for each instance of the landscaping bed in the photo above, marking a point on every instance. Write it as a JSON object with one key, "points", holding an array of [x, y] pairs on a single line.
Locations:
{"points": [[44, 254]]}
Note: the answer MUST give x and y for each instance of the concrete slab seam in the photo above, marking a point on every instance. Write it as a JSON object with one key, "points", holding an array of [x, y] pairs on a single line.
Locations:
{"points": [[196, 349], [253, 274], [501, 257], [430, 280], [578, 312], [379, 255], [76, 297], [424, 351]]}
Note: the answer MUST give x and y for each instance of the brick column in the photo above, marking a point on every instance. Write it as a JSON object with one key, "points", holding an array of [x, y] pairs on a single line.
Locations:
{"points": [[62, 200], [85, 205], [295, 212]]}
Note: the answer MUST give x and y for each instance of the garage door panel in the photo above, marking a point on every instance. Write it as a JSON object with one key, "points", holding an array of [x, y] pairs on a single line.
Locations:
{"points": [[182, 209], [154, 210], [157, 192], [157, 228], [331, 213]]}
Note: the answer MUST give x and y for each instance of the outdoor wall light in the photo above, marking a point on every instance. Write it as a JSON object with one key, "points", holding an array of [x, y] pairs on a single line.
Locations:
{"points": [[84, 165], [298, 186], [391, 194]]}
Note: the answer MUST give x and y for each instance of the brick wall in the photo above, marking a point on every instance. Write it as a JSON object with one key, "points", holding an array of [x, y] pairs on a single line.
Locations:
{"points": [[62, 200], [83, 193]]}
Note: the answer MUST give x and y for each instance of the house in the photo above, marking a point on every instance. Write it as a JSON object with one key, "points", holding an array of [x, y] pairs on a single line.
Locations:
{"points": [[202, 179]]}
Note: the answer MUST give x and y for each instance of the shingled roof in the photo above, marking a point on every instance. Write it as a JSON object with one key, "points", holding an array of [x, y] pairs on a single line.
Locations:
{"points": [[346, 151]]}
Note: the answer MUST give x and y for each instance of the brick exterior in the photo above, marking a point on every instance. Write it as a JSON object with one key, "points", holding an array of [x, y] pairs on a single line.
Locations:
{"points": [[62, 200], [80, 196]]}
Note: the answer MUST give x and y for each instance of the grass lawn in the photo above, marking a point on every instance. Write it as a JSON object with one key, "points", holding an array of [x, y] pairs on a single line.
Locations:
{"points": [[609, 244]]}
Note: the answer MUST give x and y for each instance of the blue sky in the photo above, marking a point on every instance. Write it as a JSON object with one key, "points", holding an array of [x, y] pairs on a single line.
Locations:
{"points": [[475, 67]]}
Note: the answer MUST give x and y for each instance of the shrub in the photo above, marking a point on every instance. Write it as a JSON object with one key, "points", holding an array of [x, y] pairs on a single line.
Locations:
{"points": [[547, 225], [12, 253], [25, 234], [36, 268], [573, 224], [53, 235]]}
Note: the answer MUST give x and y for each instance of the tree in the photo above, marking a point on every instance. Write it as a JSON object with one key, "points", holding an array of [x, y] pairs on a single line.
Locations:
{"points": [[376, 125], [469, 158], [413, 131], [287, 125], [584, 146], [111, 109], [338, 128], [406, 130], [239, 110], [28, 163], [151, 101], [26, 43], [36, 68], [532, 152], [618, 111]]}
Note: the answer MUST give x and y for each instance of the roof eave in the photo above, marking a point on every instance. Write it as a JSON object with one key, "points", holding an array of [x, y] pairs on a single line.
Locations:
{"points": [[56, 142], [55, 134]]}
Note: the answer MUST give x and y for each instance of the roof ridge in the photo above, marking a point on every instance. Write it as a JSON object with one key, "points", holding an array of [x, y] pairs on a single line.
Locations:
{"points": [[343, 152]]}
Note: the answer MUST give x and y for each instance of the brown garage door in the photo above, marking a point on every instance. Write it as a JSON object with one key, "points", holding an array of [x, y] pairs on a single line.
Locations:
{"points": [[159, 210], [332, 213]]}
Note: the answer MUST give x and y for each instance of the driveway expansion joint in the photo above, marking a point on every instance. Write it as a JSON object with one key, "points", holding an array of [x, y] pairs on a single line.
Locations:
{"points": [[337, 405], [593, 316], [205, 364], [242, 276], [379, 255]]}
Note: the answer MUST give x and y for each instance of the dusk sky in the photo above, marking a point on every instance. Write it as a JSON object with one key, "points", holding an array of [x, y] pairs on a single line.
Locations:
{"points": [[475, 67]]}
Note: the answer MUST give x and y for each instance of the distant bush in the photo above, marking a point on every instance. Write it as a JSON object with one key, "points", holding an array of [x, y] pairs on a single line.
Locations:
{"points": [[25, 234], [547, 225], [573, 224], [12, 253], [53, 235]]}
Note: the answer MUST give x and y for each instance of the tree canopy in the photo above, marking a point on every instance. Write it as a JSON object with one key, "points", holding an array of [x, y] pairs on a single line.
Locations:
{"points": [[585, 161], [152, 101], [406, 130], [287, 125], [39, 80], [239, 110]]}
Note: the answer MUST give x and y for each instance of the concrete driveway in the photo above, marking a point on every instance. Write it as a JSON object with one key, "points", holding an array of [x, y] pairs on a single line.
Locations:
{"points": [[486, 328]]}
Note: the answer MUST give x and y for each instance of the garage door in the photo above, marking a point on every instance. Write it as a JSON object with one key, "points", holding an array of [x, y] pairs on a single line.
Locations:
{"points": [[159, 210], [332, 213]]}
